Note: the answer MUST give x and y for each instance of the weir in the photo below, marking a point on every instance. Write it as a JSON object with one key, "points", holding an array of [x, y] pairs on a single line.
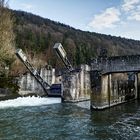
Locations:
{"points": [[75, 83], [106, 81]]}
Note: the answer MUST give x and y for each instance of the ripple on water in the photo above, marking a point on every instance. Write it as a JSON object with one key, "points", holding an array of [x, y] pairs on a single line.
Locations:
{"points": [[128, 127], [69, 122]]}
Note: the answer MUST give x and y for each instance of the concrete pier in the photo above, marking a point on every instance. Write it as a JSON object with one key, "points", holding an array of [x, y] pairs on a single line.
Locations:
{"points": [[76, 85], [115, 88]]}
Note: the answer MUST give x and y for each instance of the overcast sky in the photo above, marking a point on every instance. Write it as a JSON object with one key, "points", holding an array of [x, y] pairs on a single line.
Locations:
{"points": [[115, 17]]}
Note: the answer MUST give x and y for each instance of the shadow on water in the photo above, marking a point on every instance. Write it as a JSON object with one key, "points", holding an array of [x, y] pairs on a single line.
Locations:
{"points": [[70, 122], [119, 122], [114, 113]]}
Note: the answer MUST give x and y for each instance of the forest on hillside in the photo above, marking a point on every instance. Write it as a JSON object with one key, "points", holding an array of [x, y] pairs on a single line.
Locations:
{"points": [[36, 36]]}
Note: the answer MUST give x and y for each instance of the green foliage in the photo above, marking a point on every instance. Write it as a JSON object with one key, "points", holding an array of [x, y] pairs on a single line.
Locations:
{"points": [[9, 83]]}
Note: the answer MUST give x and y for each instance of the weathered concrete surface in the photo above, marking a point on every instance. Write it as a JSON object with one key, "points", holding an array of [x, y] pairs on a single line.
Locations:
{"points": [[116, 64], [76, 85], [29, 85], [114, 80], [115, 88], [138, 86]]}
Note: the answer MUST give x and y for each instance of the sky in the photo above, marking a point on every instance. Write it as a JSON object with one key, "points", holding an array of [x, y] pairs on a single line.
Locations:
{"points": [[114, 17]]}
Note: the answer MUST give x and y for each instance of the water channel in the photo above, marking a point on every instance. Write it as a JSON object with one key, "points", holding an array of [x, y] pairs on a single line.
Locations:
{"points": [[34, 118]]}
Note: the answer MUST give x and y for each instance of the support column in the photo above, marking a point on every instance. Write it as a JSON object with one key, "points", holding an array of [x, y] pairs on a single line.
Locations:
{"points": [[109, 88], [138, 86]]}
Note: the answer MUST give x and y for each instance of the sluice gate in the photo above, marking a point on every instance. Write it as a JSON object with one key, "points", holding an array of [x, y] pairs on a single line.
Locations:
{"points": [[50, 90], [63, 56]]}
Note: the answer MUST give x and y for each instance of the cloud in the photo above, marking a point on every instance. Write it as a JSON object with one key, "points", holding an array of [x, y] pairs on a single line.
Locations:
{"points": [[27, 6], [129, 5], [132, 9], [114, 16], [135, 15], [107, 19], [123, 19]]}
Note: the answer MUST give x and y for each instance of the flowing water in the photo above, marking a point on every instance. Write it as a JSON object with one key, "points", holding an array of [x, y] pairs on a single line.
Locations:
{"points": [[34, 118]]}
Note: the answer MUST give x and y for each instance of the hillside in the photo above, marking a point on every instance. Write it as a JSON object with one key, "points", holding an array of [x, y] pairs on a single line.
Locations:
{"points": [[36, 36]]}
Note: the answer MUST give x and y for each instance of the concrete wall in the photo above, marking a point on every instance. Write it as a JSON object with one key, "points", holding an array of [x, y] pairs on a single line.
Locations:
{"points": [[117, 63], [114, 80], [76, 85], [100, 94], [115, 88], [138, 85], [29, 85]]}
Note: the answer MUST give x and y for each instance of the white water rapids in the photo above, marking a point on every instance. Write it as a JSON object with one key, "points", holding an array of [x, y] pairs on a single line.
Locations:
{"points": [[28, 101]]}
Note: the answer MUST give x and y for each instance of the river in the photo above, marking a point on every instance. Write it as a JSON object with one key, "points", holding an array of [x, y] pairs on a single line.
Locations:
{"points": [[34, 118]]}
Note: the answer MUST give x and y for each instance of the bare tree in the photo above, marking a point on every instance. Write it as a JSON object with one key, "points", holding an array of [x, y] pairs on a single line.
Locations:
{"points": [[6, 37]]}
